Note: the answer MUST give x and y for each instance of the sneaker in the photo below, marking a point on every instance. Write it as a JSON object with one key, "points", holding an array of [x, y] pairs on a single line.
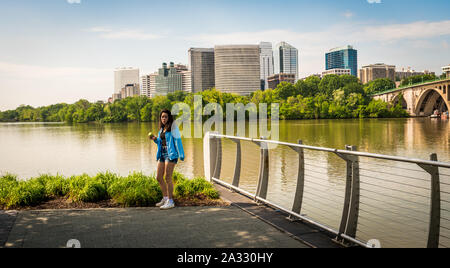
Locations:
{"points": [[168, 205], [163, 201]]}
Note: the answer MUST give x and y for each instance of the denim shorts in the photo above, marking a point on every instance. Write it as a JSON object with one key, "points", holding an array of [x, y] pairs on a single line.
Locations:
{"points": [[165, 156]]}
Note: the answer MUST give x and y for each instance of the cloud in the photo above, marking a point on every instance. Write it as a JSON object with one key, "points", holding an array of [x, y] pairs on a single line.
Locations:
{"points": [[108, 33], [374, 1], [388, 40], [74, 1], [43, 72], [353, 33]]}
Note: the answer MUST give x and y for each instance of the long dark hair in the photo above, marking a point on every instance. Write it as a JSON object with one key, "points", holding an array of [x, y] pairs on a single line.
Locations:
{"points": [[168, 126]]}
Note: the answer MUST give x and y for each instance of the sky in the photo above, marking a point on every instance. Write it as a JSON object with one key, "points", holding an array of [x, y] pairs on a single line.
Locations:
{"points": [[54, 51]]}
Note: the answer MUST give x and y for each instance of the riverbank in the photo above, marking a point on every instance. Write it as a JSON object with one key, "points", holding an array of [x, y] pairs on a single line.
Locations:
{"points": [[105, 190]]}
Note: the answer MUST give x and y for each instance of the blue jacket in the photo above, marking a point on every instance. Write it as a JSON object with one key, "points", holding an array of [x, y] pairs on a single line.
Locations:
{"points": [[173, 142]]}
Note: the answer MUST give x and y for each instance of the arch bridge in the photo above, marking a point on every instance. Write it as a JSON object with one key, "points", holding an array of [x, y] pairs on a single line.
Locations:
{"points": [[420, 99]]}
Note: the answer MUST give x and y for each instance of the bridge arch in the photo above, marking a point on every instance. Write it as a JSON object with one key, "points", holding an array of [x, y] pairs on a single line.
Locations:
{"points": [[429, 101], [396, 100]]}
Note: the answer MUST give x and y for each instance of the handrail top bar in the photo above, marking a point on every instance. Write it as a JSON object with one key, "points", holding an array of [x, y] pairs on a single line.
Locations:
{"points": [[354, 153]]}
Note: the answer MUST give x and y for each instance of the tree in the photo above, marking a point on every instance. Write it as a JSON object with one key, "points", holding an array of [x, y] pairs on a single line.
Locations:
{"points": [[378, 85], [285, 90], [329, 84]]}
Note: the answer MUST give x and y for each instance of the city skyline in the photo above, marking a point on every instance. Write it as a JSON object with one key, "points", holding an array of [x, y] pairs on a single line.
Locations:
{"points": [[67, 51]]}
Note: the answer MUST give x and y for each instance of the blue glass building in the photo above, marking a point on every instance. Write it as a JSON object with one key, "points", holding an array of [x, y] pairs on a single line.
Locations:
{"points": [[342, 58]]}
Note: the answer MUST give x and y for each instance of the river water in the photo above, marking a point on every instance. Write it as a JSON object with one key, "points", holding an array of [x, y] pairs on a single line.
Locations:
{"points": [[394, 196]]}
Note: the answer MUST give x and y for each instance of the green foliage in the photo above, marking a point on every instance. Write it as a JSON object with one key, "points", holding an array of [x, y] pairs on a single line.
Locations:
{"points": [[86, 189], [332, 96], [133, 190], [198, 186], [15, 193], [418, 79], [378, 85]]}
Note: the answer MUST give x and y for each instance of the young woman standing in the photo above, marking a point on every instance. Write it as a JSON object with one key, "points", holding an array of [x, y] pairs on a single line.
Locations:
{"points": [[170, 149]]}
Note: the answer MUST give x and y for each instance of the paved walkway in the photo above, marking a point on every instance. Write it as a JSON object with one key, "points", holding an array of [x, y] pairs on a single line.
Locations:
{"points": [[187, 227]]}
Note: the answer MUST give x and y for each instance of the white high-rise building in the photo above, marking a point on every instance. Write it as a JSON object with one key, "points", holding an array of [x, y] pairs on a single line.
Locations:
{"points": [[125, 76], [237, 69], [266, 59], [286, 59]]}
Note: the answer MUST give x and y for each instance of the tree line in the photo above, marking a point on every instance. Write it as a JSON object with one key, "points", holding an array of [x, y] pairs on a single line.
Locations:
{"points": [[332, 96]]}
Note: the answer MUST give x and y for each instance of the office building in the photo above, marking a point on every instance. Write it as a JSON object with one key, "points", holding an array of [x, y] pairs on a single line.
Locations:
{"points": [[406, 73], [337, 72], [123, 77], [446, 69], [237, 68], [286, 59], [376, 71], [275, 80], [201, 63], [149, 85], [168, 80], [342, 58], [145, 85], [266, 62], [130, 90]]}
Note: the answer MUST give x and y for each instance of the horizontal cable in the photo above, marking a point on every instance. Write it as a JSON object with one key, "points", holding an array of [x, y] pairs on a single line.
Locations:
{"points": [[394, 212], [308, 164], [396, 175], [396, 182], [443, 209], [402, 168], [332, 200], [320, 179], [398, 198], [445, 228], [328, 210], [318, 214], [390, 189], [395, 228], [329, 194], [319, 173], [328, 205], [395, 205], [326, 186], [411, 226]]}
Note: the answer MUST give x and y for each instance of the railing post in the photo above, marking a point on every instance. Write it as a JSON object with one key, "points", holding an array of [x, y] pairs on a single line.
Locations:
{"points": [[350, 213], [263, 182], [298, 200], [352, 222], [435, 209], [218, 166], [212, 155], [237, 168], [209, 151]]}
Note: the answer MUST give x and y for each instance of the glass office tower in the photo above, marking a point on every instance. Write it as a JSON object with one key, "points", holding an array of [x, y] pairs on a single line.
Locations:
{"points": [[286, 59], [342, 58]]}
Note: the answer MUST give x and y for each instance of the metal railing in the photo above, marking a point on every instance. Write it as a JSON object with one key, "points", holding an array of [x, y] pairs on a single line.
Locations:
{"points": [[348, 228]]}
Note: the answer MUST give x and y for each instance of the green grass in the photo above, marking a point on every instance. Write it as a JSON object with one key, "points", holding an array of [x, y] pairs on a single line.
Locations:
{"points": [[135, 190]]}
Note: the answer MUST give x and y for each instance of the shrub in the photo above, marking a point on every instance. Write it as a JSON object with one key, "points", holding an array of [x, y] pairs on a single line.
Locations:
{"points": [[55, 186], [86, 189], [25, 193], [135, 190], [107, 179], [191, 188]]}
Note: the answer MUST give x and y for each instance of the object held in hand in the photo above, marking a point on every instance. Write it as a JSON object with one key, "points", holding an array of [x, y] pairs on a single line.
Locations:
{"points": [[150, 135]]}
